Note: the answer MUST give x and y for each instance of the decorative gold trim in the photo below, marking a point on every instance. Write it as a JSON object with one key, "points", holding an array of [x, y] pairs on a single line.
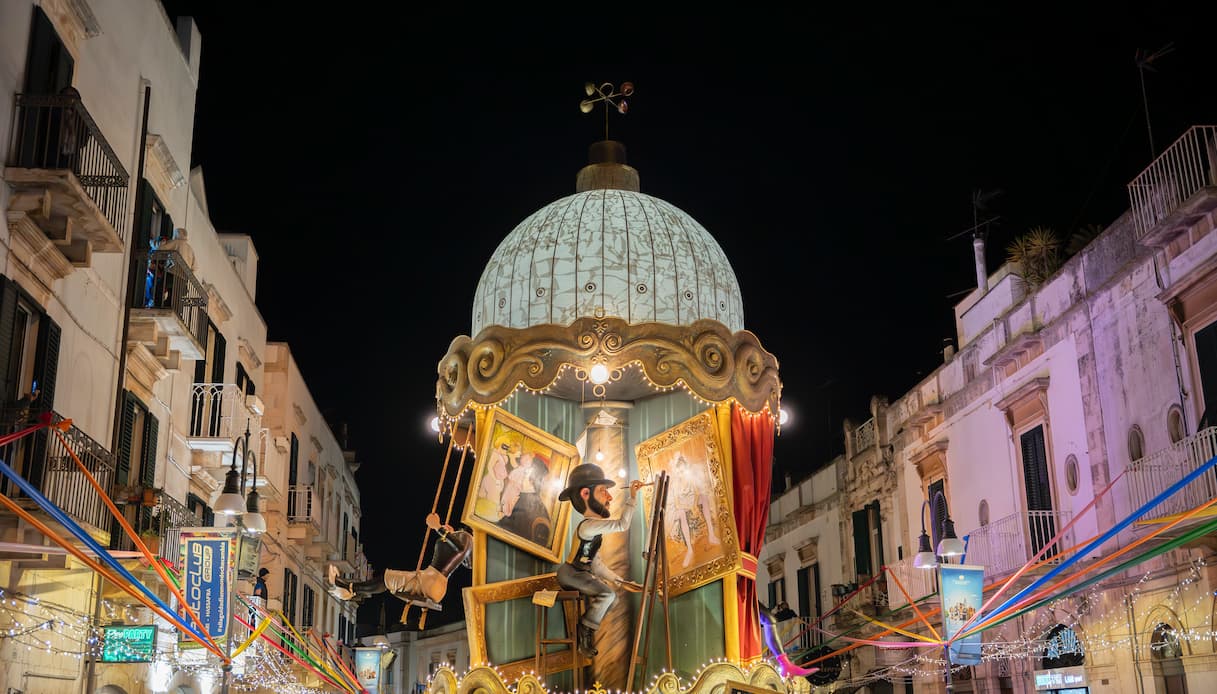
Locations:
{"points": [[654, 455], [477, 597], [561, 457], [713, 363], [717, 678]]}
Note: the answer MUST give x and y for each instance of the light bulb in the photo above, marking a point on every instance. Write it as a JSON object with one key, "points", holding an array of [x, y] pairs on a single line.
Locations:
{"points": [[599, 374], [599, 456], [435, 424]]}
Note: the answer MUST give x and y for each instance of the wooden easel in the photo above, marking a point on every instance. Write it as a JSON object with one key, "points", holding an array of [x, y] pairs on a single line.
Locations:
{"points": [[655, 580]]}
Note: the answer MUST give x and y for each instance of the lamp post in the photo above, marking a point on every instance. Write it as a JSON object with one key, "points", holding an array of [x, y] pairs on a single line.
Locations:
{"points": [[243, 509], [949, 545]]}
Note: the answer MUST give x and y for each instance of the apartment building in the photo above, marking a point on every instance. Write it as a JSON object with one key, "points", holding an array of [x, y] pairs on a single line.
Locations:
{"points": [[123, 309]]}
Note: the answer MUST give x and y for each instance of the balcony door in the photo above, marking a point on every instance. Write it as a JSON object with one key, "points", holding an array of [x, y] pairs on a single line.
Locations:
{"points": [[207, 404], [48, 64], [1041, 523], [1206, 362]]}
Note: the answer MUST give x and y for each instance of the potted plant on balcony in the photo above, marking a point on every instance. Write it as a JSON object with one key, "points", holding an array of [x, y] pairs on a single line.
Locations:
{"points": [[151, 539]]}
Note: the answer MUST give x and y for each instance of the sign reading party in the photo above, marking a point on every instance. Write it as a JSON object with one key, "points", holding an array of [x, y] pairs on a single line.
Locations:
{"points": [[962, 586], [208, 558], [129, 644]]}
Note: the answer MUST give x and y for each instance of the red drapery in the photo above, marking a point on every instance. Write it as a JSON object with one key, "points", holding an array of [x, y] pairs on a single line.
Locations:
{"points": [[752, 461]]}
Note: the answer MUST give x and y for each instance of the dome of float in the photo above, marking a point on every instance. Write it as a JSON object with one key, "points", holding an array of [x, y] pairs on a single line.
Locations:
{"points": [[608, 252]]}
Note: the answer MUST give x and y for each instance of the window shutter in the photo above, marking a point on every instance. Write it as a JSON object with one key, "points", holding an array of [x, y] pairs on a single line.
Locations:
{"points": [[1035, 470], [217, 366], [8, 364], [48, 65], [294, 462], [147, 469], [862, 543], [47, 362], [122, 471]]}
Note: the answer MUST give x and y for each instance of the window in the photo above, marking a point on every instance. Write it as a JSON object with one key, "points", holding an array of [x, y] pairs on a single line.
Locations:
{"points": [[809, 602], [48, 64], [1062, 648], [1174, 424], [1136, 444], [135, 464], [868, 540], [206, 406], [982, 512], [245, 384], [1206, 363], [29, 350], [1071, 474], [290, 585], [777, 591], [1167, 657], [294, 503], [308, 607], [200, 509], [1040, 516]]}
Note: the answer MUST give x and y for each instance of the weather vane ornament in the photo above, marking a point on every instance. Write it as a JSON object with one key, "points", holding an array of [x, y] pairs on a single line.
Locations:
{"points": [[607, 93]]}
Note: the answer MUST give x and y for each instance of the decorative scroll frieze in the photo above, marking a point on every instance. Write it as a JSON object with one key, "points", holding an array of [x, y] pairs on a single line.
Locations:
{"points": [[705, 357]]}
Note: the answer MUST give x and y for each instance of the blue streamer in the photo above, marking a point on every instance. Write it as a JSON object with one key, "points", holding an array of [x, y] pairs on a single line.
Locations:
{"points": [[102, 554], [1187, 479]]}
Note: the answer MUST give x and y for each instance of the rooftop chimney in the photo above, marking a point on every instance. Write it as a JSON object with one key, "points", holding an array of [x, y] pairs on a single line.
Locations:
{"points": [[606, 169], [982, 275]]}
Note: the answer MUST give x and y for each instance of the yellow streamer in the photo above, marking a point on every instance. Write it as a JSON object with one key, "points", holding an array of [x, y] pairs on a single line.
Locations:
{"points": [[898, 630], [252, 637], [912, 603]]}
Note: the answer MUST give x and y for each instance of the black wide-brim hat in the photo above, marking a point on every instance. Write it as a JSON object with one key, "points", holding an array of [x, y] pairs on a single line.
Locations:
{"points": [[584, 475]]}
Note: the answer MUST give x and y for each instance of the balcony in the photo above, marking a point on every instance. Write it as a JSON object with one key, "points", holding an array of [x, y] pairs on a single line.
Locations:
{"points": [[1177, 189], [219, 413], [303, 510], [1006, 544], [864, 436], [918, 583], [168, 309], [43, 460], [159, 525], [1154, 474], [70, 191]]}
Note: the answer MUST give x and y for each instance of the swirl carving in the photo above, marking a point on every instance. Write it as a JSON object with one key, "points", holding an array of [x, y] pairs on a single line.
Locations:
{"points": [[715, 678], [712, 362]]}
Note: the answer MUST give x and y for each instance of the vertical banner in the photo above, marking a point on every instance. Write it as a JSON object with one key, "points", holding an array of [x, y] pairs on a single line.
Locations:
{"points": [[367, 668], [961, 588], [208, 557]]}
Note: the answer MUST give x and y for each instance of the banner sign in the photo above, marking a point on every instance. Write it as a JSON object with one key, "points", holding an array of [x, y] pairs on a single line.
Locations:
{"points": [[249, 556], [209, 561], [961, 589], [129, 644], [367, 668]]}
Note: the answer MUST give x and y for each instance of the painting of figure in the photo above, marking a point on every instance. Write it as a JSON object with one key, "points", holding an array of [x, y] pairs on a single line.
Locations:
{"points": [[699, 531], [515, 486]]}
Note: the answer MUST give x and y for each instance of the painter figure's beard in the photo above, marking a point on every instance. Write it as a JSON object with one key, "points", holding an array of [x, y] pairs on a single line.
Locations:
{"points": [[598, 508]]}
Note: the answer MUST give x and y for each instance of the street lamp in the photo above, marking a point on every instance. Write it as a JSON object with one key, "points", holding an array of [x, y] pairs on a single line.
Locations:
{"points": [[949, 545], [244, 512]]}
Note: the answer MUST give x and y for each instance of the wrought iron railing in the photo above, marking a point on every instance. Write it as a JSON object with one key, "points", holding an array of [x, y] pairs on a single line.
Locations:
{"points": [[1153, 474], [56, 132], [170, 284], [221, 410], [1188, 165], [42, 459], [864, 436], [165, 521], [1006, 544], [302, 504]]}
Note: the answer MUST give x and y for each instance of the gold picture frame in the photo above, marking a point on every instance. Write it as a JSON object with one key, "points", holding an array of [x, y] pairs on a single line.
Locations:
{"points": [[700, 529], [477, 598], [513, 495]]}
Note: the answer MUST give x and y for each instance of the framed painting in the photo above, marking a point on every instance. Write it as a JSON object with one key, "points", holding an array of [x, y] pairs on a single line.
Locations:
{"points": [[513, 494], [502, 620], [699, 532]]}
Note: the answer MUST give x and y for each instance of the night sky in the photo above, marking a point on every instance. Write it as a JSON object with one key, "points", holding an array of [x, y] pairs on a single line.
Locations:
{"points": [[378, 160]]}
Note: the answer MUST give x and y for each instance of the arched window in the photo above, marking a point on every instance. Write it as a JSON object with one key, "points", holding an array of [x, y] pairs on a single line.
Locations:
{"points": [[983, 512], [1174, 424], [1062, 648], [1136, 444], [1166, 654]]}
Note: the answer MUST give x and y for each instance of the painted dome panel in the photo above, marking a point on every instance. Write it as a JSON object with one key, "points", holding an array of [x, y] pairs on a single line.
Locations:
{"points": [[608, 252]]}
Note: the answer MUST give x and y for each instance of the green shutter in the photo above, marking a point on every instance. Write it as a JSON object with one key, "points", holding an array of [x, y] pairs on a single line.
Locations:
{"points": [[8, 365], [122, 468], [47, 362], [862, 566]]}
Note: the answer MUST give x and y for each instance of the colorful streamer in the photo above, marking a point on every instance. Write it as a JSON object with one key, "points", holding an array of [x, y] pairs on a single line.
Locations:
{"points": [[785, 665]]}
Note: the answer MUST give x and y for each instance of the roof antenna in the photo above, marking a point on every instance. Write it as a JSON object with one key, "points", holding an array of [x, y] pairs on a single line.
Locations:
{"points": [[1145, 62], [607, 93], [979, 231]]}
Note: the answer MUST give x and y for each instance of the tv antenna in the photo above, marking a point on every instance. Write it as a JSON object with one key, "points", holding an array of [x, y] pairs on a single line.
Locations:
{"points": [[1145, 61], [608, 94], [980, 204]]}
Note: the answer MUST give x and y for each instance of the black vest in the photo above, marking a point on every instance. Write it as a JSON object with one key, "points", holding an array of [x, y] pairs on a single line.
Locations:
{"points": [[586, 551]]}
